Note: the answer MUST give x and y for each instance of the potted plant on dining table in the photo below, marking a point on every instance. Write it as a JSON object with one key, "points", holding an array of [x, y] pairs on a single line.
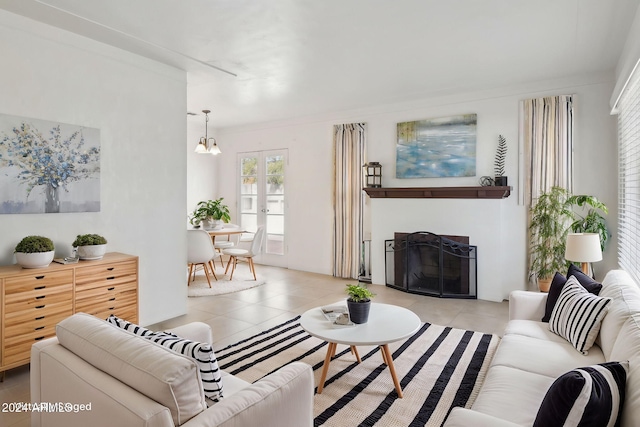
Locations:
{"points": [[213, 211]]}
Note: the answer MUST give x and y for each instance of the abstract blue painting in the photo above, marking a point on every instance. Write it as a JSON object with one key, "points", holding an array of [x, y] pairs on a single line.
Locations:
{"points": [[435, 148], [48, 167]]}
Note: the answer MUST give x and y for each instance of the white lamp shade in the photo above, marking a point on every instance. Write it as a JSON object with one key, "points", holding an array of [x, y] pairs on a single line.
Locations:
{"points": [[583, 247], [215, 150], [201, 148]]}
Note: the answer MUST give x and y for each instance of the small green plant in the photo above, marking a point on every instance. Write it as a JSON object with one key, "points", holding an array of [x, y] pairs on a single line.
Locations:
{"points": [[34, 244], [89, 240], [211, 209], [592, 221], [359, 293]]}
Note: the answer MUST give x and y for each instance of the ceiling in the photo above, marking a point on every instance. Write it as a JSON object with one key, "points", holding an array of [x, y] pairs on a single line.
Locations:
{"points": [[251, 61]]}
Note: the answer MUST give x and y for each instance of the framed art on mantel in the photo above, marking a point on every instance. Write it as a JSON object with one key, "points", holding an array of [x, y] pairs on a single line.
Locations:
{"points": [[48, 167], [435, 148]]}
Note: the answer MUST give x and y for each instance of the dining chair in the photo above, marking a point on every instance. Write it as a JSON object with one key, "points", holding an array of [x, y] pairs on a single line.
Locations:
{"points": [[245, 254], [200, 251]]}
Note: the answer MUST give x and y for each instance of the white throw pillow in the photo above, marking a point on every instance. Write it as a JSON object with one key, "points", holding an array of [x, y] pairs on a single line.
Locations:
{"points": [[577, 315]]}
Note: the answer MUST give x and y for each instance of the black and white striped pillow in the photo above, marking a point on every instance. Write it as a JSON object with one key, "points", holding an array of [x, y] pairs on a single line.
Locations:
{"points": [[202, 353], [128, 326], [590, 396], [577, 315]]}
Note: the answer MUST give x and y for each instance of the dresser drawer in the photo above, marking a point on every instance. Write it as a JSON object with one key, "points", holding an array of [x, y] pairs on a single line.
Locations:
{"points": [[17, 347], [19, 288], [36, 314], [106, 275], [39, 298]]}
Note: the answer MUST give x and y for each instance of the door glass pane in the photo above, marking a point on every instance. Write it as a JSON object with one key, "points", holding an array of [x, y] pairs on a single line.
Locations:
{"points": [[274, 189], [275, 174]]}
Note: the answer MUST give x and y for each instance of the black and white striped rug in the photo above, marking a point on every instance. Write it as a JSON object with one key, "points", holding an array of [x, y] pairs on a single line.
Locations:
{"points": [[438, 368]]}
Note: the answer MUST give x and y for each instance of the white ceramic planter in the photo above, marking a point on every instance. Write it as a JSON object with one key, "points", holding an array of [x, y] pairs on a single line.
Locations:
{"points": [[90, 252], [34, 260]]}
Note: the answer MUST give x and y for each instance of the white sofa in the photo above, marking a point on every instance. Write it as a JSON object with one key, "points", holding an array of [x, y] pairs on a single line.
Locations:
{"points": [[530, 357], [141, 383]]}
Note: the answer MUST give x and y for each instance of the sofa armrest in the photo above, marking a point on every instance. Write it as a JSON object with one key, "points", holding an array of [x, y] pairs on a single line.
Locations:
{"points": [[194, 331], [461, 417], [284, 398], [527, 305]]}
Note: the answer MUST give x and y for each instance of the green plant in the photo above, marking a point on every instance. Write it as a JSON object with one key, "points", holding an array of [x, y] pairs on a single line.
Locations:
{"points": [[33, 244], [501, 153], [592, 221], [359, 293], [550, 219], [89, 240], [211, 209]]}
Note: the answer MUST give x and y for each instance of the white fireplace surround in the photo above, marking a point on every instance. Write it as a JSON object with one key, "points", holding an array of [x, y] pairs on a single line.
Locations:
{"points": [[487, 222]]}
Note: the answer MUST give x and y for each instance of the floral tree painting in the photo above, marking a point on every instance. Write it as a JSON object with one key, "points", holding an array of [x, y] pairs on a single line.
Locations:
{"points": [[48, 167]]}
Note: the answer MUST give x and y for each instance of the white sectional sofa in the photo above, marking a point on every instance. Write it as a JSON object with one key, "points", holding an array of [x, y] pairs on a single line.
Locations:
{"points": [[129, 381], [530, 357]]}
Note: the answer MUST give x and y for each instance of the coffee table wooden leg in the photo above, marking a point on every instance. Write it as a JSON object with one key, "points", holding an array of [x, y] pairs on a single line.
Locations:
{"points": [[354, 351], [331, 350], [392, 369]]}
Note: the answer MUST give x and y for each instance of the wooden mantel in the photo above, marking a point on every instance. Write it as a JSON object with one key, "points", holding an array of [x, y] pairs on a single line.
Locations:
{"points": [[490, 192]]}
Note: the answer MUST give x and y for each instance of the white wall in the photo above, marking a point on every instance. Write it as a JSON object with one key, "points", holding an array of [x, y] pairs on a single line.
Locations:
{"points": [[309, 141], [139, 107], [201, 168]]}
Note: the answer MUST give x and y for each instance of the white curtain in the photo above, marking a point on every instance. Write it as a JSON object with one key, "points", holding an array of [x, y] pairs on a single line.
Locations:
{"points": [[548, 144], [349, 147]]}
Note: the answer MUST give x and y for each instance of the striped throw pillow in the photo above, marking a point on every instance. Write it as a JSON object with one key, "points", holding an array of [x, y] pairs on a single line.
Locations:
{"points": [[590, 396], [202, 353], [128, 326], [577, 315]]}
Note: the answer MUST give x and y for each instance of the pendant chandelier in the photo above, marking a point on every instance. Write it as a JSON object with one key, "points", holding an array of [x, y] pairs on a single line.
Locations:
{"points": [[207, 145]]}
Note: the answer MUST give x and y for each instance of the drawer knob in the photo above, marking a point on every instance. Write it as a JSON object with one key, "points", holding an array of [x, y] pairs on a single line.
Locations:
{"points": [[112, 299], [39, 328], [40, 277], [110, 268], [40, 297], [40, 306], [39, 318], [38, 339], [111, 288], [37, 288]]}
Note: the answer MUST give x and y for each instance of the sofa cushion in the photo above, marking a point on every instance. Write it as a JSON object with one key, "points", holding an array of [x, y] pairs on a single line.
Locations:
{"points": [[587, 282], [543, 357], [554, 292], [202, 353], [577, 315], [589, 396], [627, 347], [164, 376], [512, 394], [533, 329], [625, 294]]}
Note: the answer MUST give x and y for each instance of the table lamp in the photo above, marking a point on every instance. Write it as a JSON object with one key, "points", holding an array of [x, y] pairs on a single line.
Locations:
{"points": [[583, 248]]}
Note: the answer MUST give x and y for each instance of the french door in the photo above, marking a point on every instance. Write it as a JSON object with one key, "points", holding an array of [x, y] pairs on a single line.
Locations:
{"points": [[262, 200]]}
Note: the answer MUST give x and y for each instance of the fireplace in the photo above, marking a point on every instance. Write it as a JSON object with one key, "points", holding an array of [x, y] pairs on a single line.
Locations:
{"points": [[429, 264]]}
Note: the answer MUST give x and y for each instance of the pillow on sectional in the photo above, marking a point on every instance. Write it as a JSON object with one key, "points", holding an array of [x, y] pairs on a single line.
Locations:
{"points": [[128, 326], [202, 353], [554, 292], [587, 282], [589, 396], [577, 315]]}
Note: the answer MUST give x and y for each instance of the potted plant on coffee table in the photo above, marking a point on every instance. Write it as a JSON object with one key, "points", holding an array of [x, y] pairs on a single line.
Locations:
{"points": [[90, 246], [213, 211], [34, 252], [359, 303]]}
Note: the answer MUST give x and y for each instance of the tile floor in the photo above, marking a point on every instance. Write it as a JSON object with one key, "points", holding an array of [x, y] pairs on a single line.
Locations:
{"points": [[287, 293]]}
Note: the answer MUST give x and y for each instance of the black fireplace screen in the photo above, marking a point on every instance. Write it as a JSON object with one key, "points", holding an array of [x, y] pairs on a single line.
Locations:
{"points": [[429, 264]]}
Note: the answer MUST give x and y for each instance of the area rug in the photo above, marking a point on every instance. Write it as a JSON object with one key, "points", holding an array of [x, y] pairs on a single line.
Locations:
{"points": [[241, 280], [438, 368]]}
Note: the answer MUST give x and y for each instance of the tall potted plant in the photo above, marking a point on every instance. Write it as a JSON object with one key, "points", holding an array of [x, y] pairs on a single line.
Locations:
{"points": [[359, 303], [550, 220]]}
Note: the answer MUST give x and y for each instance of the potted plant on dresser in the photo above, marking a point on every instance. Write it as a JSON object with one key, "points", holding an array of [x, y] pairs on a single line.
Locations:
{"points": [[34, 252], [359, 303], [90, 246]]}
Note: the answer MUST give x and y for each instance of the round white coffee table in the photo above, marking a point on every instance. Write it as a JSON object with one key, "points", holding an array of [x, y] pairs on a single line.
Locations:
{"points": [[387, 323]]}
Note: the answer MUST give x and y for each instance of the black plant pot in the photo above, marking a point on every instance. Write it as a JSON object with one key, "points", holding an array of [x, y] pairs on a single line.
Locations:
{"points": [[501, 181], [359, 311]]}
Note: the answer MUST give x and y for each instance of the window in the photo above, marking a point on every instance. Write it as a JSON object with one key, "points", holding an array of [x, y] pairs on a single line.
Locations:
{"points": [[629, 178]]}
